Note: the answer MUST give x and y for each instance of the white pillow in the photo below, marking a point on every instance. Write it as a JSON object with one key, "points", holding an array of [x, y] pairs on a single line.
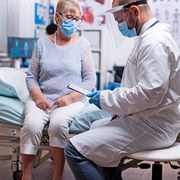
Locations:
{"points": [[12, 83]]}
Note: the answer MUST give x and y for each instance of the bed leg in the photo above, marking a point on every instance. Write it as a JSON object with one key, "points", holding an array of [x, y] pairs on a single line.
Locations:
{"points": [[16, 165]]}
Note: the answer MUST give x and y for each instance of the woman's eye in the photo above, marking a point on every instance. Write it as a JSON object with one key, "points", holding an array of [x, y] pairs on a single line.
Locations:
{"points": [[69, 17]]}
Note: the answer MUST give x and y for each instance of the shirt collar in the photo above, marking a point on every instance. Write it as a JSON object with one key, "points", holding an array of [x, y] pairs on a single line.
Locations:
{"points": [[147, 25]]}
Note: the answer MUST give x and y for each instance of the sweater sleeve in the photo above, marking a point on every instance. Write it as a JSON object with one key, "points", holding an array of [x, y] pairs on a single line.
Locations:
{"points": [[34, 69], [88, 70]]}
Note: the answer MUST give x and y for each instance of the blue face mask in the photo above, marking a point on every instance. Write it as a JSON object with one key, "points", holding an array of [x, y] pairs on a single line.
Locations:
{"points": [[68, 27], [123, 28]]}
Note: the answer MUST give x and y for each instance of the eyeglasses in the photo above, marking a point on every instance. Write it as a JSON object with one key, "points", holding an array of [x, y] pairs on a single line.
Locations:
{"points": [[71, 18]]}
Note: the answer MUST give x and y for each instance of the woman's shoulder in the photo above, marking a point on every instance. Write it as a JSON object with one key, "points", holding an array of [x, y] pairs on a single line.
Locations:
{"points": [[44, 39], [84, 40]]}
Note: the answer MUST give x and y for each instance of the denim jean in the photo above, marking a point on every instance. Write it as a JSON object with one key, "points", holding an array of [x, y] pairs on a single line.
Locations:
{"points": [[84, 169]]}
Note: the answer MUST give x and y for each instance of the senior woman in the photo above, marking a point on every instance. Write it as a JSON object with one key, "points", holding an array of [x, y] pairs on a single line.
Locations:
{"points": [[58, 60]]}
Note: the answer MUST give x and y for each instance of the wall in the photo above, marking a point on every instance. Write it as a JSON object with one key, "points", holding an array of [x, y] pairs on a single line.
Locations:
{"points": [[13, 14], [3, 26], [120, 54], [26, 18], [21, 18], [168, 11]]}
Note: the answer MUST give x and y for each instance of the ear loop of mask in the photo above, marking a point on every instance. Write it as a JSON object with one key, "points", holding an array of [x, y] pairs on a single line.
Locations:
{"points": [[61, 18], [134, 26]]}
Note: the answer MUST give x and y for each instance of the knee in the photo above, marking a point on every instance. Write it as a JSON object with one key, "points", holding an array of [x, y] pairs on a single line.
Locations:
{"points": [[72, 154], [58, 129], [32, 129], [73, 157]]}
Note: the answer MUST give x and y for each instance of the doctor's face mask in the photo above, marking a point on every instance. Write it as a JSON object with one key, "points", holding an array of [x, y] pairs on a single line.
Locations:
{"points": [[123, 28]]}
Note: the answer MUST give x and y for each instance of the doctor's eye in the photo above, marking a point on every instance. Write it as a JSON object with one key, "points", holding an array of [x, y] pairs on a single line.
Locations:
{"points": [[119, 19]]}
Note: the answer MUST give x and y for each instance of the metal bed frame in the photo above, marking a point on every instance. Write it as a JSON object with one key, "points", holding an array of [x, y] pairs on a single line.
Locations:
{"points": [[13, 140]]}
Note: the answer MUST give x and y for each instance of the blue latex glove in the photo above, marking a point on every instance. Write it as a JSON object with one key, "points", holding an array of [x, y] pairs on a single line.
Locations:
{"points": [[95, 98], [111, 86]]}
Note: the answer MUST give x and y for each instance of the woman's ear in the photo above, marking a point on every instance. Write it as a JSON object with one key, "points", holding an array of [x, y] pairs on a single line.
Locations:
{"points": [[56, 17]]}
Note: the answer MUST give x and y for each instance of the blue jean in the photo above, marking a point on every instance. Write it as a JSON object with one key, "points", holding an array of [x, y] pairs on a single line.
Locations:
{"points": [[82, 168]]}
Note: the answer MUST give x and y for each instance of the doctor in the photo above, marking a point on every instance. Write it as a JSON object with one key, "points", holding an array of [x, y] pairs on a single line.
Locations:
{"points": [[147, 105]]}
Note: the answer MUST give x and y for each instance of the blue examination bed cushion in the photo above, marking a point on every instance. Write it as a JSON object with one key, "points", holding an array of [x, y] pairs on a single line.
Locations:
{"points": [[11, 110], [84, 119]]}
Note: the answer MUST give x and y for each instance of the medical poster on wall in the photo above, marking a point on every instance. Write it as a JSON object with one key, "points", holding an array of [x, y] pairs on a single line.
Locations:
{"points": [[94, 12], [168, 11]]}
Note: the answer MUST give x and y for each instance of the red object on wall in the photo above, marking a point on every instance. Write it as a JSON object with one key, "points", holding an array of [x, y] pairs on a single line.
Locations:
{"points": [[88, 15]]}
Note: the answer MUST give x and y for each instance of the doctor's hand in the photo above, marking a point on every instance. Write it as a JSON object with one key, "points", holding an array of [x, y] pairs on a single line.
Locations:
{"points": [[95, 98], [43, 103], [111, 86]]}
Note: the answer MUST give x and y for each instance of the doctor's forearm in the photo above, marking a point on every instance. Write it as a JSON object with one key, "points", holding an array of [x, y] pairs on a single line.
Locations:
{"points": [[125, 101]]}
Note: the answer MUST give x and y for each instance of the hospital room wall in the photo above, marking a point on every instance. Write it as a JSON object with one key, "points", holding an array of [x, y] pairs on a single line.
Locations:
{"points": [[21, 18], [119, 55], [17, 20], [3, 26]]}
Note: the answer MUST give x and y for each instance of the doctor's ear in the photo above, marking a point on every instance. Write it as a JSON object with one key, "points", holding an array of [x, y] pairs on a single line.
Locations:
{"points": [[134, 10]]}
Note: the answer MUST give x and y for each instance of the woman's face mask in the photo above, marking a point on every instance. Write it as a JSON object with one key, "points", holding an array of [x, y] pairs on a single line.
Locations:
{"points": [[123, 28], [68, 27]]}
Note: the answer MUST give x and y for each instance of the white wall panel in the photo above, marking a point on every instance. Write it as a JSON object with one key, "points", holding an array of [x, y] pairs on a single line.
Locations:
{"points": [[3, 26]]}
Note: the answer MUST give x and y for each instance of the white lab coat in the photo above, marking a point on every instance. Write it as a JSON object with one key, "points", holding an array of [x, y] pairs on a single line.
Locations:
{"points": [[147, 103]]}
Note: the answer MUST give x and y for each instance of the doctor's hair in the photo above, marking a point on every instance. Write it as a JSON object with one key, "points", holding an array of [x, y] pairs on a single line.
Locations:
{"points": [[123, 2], [68, 5]]}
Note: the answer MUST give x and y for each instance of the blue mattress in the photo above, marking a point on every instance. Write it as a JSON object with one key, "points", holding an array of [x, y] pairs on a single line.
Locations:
{"points": [[11, 110]]}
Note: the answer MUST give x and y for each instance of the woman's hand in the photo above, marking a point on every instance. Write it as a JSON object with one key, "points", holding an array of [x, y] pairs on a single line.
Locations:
{"points": [[43, 103], [63, 101]]}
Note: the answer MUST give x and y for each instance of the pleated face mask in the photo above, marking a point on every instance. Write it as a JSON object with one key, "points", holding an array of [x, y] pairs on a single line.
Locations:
{"points": [[123, 28], [68, 27]]}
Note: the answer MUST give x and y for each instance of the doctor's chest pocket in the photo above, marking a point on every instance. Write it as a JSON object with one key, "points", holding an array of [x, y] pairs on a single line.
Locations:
{"points": [[131, 66]]}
